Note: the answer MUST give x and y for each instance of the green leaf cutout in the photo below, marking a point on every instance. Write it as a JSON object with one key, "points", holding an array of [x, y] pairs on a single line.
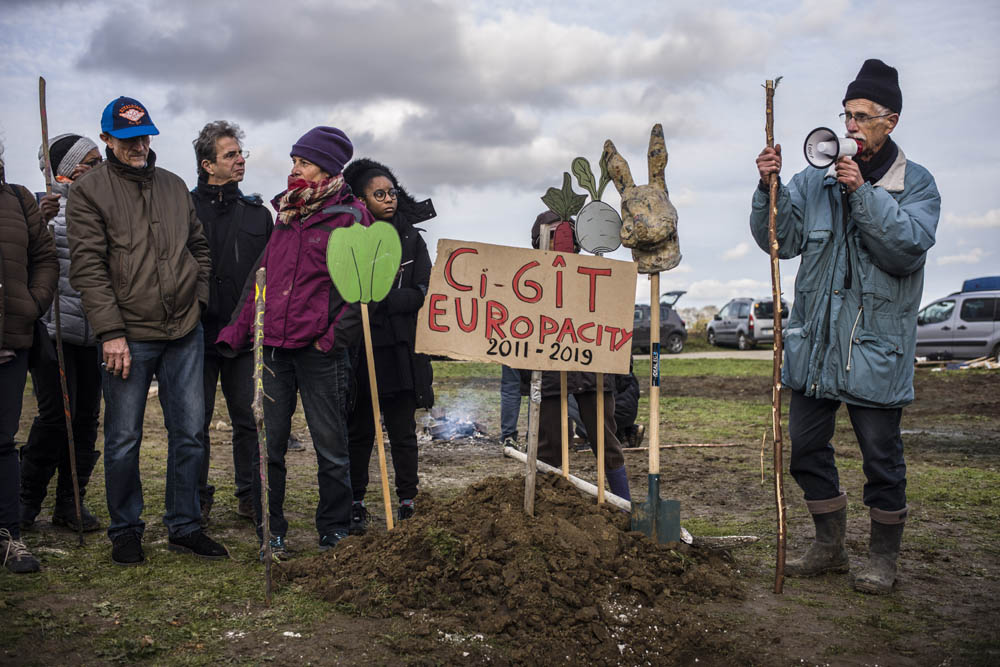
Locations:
{"points": [[565, 203], [584, 176], [605, 176], [363, 261]]}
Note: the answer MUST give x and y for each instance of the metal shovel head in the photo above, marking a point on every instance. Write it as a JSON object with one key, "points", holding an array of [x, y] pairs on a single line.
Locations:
{"points": [[660, 519]]}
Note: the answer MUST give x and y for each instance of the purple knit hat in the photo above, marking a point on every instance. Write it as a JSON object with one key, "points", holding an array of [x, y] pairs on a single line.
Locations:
{"points": [[326, 147]]}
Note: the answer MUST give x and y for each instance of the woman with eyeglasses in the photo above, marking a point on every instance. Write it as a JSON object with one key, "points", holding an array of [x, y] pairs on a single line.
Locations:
{"points": [[404, 377], [46, 450], [308, 329]]}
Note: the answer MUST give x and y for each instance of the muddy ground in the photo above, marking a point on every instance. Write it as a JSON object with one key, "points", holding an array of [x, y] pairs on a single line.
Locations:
{"points": [[471, 580]]}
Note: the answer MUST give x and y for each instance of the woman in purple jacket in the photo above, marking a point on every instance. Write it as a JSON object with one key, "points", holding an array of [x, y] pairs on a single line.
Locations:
{"points": [[308, 328]]}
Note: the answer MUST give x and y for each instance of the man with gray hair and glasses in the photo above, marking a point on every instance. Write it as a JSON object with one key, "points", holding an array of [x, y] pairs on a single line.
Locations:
{"points": [[238, 227], [863, 234]]}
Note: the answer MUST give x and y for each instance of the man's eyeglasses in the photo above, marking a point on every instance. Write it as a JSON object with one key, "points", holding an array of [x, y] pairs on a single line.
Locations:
{"points": [[380, 195], [860, 118], [232, 155]]}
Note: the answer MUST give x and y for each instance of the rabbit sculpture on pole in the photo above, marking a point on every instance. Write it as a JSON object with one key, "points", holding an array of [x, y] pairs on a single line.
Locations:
{"points": [[649, 228]]}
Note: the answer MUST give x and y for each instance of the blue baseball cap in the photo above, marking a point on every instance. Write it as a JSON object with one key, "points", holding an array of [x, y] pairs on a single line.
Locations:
{"points": [[125, 118]]}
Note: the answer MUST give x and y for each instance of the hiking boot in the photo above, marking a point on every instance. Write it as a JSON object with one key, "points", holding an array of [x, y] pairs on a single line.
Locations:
{"points": [[244, 508], [126, 549], [827, 552], [279, 551], [405, 511], [295, 445], [878, 575], [360, 518], [66, 517], [15, 555], [327, 542], [198, 544]]}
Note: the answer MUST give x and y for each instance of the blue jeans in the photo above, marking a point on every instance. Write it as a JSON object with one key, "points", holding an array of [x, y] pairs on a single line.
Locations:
{"points": [[811, 423], [510, 402], [12, 377], [177, 365], [321, 378]]}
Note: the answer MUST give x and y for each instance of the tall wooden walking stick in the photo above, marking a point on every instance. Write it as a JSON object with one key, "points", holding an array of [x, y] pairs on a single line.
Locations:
{"points": [[772, 242], [70, 440], [258, 415], [362, 262]]}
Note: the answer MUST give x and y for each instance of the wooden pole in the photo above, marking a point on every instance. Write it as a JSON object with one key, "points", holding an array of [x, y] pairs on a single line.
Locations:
{"points": [[564, 422], [45, 134], [600, 438], [376, 415], [534, 411], [772, 241], [654, 373], [258, 414]]}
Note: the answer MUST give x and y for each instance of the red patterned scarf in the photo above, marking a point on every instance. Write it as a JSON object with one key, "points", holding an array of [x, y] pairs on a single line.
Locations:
{"points": [[303, 198]]}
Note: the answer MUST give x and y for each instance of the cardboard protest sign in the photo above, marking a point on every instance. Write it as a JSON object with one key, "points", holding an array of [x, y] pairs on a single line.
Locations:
{"points": [[528, 308]]}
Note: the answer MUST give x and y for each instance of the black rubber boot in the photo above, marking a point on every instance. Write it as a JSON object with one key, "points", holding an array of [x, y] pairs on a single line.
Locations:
{"points": [[64, 513], [34, 486], [878, 575], [827, 552]]}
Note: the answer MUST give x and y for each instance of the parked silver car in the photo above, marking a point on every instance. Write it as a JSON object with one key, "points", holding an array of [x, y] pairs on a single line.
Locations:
{"points": [[963, 325], [744, 322]]}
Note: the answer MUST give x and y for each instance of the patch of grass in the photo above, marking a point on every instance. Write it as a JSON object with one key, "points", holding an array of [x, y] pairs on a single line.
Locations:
{"points": [[675, 367], [444, 544], [465, 369]]}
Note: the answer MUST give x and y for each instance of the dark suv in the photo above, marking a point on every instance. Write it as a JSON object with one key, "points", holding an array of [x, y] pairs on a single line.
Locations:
{"points": [[744, 322], [673, 334]]}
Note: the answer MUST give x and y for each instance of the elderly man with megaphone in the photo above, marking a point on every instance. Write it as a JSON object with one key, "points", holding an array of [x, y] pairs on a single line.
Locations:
{"points": [[862, 231]]}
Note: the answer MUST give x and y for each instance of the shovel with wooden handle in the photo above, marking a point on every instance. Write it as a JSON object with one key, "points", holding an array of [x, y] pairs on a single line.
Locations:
{"points": [[660, 519]]}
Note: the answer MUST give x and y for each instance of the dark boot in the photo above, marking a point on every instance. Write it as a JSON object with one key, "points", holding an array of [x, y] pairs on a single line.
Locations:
{"points": [[618, 482], [827, 552], [878, 575], [64, 513], [34, 485]]}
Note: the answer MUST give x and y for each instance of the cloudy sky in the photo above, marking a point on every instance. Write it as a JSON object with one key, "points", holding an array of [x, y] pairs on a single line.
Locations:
{"points": [[482, 105]]}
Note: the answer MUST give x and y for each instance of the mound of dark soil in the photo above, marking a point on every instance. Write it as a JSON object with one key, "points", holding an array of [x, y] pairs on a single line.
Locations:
{"points": [[569, 585]]}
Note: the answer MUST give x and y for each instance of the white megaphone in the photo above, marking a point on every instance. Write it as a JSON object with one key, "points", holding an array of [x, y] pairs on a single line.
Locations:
{"points": [[823, 148]]}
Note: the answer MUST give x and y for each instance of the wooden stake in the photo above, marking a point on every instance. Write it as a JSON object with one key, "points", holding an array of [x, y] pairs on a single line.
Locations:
{"points": [[654, 374], [45, 134], [376, 415], [534, 411], [258, 415], [772, 240], [600, 438], [564, 422]]}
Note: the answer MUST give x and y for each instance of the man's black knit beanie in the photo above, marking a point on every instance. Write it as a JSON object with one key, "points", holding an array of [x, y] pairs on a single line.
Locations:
{"points": [[877, 82]]}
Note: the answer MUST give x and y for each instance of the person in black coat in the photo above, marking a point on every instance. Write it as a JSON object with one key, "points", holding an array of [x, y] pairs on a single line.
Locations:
{"points": [[404, 377], [238, 227]]}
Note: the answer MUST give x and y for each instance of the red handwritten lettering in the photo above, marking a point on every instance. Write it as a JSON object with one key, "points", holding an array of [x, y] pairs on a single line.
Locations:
{"points": [[626, 337], [496, 314], [473, 319], [527, 283], [594, 275], [547, 326], [583, 327], [433, 312], [567, 330], [448, 277], [529, 329]]}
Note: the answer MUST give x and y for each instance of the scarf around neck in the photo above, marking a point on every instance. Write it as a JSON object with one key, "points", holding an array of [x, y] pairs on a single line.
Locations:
{"points": [[303, 198]]}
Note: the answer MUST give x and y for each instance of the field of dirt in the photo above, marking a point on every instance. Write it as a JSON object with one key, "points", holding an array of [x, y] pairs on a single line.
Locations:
{"points": [[473, 580]]}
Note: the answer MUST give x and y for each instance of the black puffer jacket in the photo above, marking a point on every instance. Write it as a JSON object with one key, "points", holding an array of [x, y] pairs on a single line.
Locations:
{"points": [[394, 320], [29, 268], [237, 227]]}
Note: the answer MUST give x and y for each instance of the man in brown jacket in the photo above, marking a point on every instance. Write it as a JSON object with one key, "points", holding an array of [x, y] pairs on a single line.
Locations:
{"points": [[141, 263], [28, 273]]}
